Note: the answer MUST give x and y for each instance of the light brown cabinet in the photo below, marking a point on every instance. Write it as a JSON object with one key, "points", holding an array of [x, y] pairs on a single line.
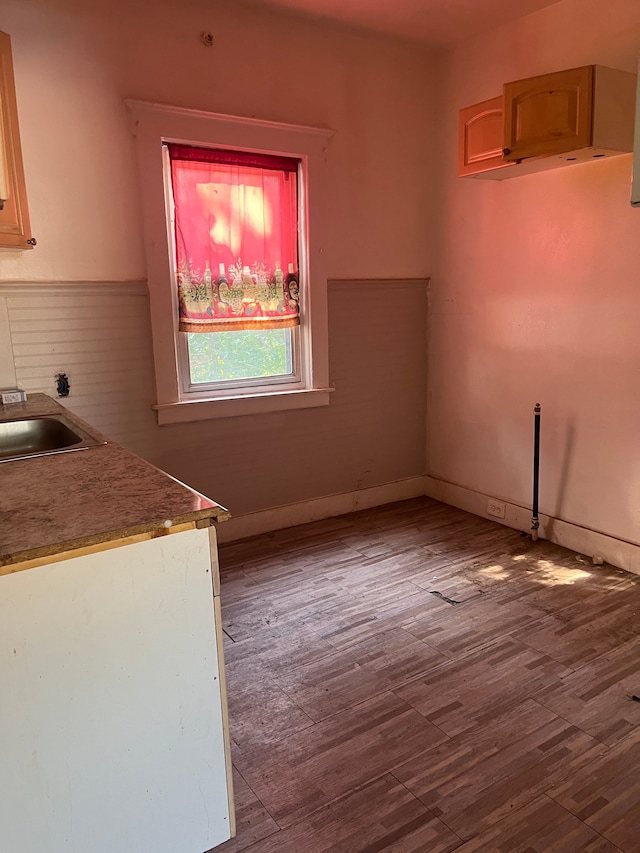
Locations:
{"points": [[15, 228], [480, 137], [549, 121], [588, 107]]}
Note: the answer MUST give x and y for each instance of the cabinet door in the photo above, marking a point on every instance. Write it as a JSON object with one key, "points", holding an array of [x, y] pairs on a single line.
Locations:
{"points": [[113, 721], [15, 230], [549, 114], [635, 186], [480, 137]]}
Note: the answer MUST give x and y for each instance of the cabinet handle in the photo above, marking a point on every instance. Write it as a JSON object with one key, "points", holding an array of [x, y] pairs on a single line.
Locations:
{"points": [[506, 151], [32, 241]]}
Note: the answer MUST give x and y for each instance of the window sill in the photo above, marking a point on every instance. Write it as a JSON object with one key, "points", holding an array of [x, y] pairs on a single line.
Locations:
{"points": [[187, 411]]}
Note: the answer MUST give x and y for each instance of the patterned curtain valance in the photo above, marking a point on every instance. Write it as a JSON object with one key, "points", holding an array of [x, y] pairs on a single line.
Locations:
{"points": [[236, 239]]}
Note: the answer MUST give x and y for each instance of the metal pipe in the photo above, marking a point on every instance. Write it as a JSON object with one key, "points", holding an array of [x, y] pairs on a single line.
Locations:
{"points": [[535, 522]]}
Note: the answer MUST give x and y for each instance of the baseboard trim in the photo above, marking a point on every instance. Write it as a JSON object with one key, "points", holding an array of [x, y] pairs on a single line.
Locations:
{"points": [[617, 552], [265, 521]]}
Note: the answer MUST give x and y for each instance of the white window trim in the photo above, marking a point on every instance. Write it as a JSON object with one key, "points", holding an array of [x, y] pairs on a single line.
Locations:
{"points": [[155, 124]]}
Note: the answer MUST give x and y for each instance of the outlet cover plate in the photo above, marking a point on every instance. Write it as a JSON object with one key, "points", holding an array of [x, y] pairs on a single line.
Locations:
{"points": [[496, 508]]}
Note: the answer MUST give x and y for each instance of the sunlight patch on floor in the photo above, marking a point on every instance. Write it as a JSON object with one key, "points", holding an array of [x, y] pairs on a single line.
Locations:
{"points": [[544, 572], [496, 572], [555, 575]]}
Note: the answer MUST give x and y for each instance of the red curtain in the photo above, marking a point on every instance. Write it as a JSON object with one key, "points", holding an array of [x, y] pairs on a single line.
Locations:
{"points": [[236, 232]]}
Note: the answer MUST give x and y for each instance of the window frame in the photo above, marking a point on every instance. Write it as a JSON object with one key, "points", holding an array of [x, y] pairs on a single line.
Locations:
{"points": [[202, 391], [155, 124]]}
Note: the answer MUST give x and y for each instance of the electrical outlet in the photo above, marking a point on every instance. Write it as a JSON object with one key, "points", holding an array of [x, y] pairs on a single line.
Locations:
{"points": [[496, 508], [63, 385]]}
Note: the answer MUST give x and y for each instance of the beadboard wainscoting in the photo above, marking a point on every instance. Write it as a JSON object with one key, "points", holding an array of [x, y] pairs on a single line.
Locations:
{"points": [[98, 334], [372, 435]]}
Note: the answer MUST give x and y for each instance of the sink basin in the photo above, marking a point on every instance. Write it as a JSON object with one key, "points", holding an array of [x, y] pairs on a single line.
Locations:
{"points": [[20, 439]]}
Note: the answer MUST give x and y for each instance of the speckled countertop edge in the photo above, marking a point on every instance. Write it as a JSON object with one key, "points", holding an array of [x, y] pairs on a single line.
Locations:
{"points": [[65, 501]]}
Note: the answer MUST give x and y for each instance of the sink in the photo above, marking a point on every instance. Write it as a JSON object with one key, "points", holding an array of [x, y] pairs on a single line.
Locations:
{"points": [[41, 436]]}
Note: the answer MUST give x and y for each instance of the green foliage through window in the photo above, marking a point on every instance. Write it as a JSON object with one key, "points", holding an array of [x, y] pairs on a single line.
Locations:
{"points": [[224, 356]]}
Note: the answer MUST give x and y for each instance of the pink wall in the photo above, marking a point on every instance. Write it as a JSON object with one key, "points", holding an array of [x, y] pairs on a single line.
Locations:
{"points": [[535, 295]]}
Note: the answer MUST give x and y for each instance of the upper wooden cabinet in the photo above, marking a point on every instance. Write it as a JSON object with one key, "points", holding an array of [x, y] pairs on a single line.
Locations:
{"points": [[571, 116], [589, 107], [15, 229], [635, 186], [548, 114], [480, 137]]}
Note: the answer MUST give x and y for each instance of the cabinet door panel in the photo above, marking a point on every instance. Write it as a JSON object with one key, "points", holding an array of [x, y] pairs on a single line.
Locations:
{"points": [[548, 114], [113, 732], [15, 229], [480, 137]]}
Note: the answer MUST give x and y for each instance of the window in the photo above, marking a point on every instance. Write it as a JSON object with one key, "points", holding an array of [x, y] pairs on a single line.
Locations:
{"points": [[234, 217], [233, 211]]}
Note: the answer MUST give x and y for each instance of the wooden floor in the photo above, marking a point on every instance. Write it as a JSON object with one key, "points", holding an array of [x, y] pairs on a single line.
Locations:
{"points": [[414, 679]]}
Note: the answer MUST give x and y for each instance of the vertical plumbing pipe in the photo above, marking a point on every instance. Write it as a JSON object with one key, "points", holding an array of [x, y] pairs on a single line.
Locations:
{"points": [[535, 523]]}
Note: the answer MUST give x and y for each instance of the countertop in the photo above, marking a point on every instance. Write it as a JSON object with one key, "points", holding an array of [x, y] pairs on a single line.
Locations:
{"points": [[66, 501]]}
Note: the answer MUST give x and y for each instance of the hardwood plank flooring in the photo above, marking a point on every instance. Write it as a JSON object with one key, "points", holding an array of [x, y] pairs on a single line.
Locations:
{"points": [[414, 679], [605, 795], [474, 690], [308, 769]]}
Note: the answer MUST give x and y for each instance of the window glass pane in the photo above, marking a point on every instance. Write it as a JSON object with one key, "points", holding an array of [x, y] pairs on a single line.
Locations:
{"points": [[249, 354]]}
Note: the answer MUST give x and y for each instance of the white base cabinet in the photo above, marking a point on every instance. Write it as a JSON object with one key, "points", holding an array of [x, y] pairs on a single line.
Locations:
{"points": [[112, 708]]}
